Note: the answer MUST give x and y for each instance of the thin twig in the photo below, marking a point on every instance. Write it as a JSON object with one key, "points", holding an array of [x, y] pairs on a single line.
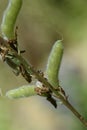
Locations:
{"points": [[6, 50], [74, 111]]}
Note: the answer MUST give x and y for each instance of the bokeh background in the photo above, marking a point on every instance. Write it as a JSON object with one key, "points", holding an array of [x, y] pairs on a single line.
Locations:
{"points": [[40, 23]]}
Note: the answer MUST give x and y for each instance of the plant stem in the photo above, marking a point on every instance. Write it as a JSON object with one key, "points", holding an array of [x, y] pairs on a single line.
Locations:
{"points": [[74, 111], [7, 30], [31, 70]]}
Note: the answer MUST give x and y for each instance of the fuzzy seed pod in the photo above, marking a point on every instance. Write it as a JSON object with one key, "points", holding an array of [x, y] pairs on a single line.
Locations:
{"points": [[21, 92], [54, 62], [9, 19]]}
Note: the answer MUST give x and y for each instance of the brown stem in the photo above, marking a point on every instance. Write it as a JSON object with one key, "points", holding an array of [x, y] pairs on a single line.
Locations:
{"points": [[74, 111], [29, 69], [59, 96]]}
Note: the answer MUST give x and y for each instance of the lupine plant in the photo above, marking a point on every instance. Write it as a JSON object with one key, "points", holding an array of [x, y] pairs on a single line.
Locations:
{"points": [[49, 85]]}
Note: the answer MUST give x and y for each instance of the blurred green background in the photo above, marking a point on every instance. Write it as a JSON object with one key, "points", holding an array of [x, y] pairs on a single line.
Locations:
{"points": [[41, 23]]}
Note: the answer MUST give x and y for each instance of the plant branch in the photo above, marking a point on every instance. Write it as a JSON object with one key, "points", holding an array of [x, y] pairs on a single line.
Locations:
{"points": [[74, 111], [6, 50], [10, 55]]}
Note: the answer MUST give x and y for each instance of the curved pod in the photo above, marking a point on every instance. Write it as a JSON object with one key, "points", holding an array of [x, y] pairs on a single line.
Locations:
{"points": [[9, 18], [54, 62], [21, 92]]}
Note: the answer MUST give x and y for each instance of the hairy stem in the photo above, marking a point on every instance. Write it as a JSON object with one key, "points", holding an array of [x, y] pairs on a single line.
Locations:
{"points": [[31, 70], [7, 28]]}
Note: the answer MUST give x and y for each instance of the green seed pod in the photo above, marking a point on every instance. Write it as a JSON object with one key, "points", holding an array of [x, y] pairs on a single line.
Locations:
{"points": [[53, 64], [9, 18], [21, 92]]}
